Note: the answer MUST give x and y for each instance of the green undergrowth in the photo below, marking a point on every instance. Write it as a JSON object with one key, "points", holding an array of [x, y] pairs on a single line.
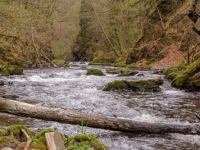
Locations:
{"points": [[120, 62], [84, 142], [175, 70], [14, 137], [101, 57], [11, 70], [16, 130]]}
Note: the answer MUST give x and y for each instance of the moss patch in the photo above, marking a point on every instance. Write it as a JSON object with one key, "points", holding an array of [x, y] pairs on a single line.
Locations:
{"points": [[120, 62], [11, 70], [15, 130], [188, 78], [128, 72], [4, 132], [113, 70], [116, 85], [60, 62], [8, 141], [84, 142], [141, 85], [94, 71], [122, 71]]}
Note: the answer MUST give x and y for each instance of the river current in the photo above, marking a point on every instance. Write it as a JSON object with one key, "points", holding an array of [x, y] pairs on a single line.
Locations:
{"points": [[70, 88]]}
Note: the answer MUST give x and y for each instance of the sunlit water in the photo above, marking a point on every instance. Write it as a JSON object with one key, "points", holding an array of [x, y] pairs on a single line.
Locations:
{"points": [[70, 88]]}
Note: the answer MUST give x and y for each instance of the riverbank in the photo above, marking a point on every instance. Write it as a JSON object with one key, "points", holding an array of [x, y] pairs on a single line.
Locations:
{"points": [[15, 138]]}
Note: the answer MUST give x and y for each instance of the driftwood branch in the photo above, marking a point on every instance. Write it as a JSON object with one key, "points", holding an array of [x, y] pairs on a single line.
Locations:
{"points": [[29, 140], [95, 121]]}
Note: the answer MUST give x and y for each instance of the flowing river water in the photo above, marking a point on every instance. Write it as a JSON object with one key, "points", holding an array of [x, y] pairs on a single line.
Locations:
{"points": [[70, 88]]}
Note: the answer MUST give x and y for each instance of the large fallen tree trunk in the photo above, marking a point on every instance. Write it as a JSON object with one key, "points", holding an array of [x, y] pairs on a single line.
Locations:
{"points": [[116, 124]]}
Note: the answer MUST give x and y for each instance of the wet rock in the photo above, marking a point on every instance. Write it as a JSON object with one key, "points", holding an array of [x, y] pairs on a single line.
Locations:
{"points": [[141, 85], [10, 96], [1, 83], [141, 74], [158, 71]]}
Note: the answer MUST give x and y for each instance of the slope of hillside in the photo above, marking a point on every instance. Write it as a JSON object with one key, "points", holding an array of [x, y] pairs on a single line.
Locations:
{"points": [[173, 34]]}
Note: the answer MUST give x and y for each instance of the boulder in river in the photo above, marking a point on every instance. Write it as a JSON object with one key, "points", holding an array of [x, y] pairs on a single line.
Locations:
{"points": [[151, 85], [94, 71], [122, 71]]}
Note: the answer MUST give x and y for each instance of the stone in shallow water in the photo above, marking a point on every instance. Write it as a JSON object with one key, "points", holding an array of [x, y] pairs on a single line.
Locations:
{"points": [[1, 83]]}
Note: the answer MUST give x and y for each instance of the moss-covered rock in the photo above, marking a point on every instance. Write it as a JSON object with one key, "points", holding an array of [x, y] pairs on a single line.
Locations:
{"points": [[116, 85], [113, 70], [122, 71], [60, 62], [141, 85], [146, 85], [11, 70], [84, 142], [158, 81], [188, 78], [94, 71]]}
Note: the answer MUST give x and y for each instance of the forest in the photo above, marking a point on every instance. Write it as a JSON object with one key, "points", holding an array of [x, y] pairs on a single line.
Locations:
{"points": [[43, 41]]}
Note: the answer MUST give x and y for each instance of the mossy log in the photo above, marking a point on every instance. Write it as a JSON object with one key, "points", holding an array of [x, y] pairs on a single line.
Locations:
{"points": [[95, 121]]}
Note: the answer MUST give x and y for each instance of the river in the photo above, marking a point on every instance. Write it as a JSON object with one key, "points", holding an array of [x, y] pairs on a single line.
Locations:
{"points": [[70, 88]]}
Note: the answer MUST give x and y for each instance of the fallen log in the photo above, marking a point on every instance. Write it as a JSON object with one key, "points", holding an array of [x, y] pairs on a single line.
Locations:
{"points": [[95, 121]]}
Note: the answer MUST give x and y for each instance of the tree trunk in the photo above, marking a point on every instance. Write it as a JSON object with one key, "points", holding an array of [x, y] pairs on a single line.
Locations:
{"points": [[71, 117]]}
